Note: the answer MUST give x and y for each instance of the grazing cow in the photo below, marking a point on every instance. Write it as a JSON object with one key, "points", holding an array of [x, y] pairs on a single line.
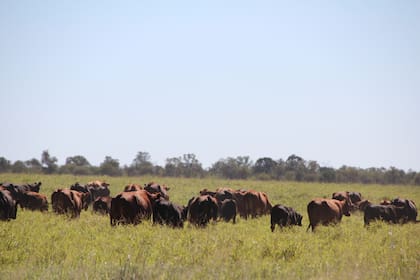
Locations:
{"points": [[409, 206], [66, 201], [326, 211], [202, 209], [8, 205], [102, 204], [228, 210], [284, 216], [132, 188], [153, 187], [388, 213], [132, 207], [165, 212], [33, 201]]}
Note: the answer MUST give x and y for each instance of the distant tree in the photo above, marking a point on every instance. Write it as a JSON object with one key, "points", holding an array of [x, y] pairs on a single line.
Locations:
{"points": [[233, 168], [327, 174], [191, 166], [140, 165], [394, 176], [295, 165], [77, 161], [19, 167], [417, 179], [5, 165], [173, 167], [34, 166], [110, 167], [311, 171], [77, 165], [348, 174], [264, 165], [49, 163]]}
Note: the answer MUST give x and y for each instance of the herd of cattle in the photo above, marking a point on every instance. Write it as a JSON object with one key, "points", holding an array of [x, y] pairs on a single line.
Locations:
{"points": [[151, 201]]}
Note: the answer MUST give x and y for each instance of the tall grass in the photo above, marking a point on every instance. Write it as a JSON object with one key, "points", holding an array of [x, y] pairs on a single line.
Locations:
{"points": [[44, 245]]}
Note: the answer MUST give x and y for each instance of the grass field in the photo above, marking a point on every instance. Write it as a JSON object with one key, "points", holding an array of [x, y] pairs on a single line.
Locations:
{"points": [[44, 245]]}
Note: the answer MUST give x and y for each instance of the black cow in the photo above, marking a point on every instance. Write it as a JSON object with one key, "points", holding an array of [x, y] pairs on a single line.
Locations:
{"points": [[8, 206], [202, 209], [388, 213], [165, 212], [284, 216], [228, 210], [34, 187], [409, 206]]}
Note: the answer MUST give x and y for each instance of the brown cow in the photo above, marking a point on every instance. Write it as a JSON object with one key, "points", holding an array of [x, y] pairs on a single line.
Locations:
{"points": [[33, 201], [202, 209], [102, 204], [132, 188], [153, 187], [66, 201], [326, 211], [8, 205], [132, 207]]}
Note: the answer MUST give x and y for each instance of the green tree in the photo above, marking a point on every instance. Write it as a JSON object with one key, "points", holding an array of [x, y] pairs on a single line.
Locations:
{"points": [[49, 163], [77, 165], [191, 167], [19, 167], [233, 168], [110, 167], [5, 165], [34, 165], [141, 165]]}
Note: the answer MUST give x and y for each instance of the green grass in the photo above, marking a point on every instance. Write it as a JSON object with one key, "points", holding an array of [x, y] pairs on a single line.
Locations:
{"points": [[43, 245]]}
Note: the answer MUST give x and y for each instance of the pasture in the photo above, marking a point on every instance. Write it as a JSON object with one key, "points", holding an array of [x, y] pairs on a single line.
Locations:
{"points": [[48, 246]]}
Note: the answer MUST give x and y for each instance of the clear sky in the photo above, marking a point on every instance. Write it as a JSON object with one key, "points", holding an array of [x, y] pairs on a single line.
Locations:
{"points": [[332, 81]]}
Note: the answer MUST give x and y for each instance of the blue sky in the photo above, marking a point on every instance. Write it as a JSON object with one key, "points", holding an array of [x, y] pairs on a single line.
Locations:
{"points": [[332, 81]]}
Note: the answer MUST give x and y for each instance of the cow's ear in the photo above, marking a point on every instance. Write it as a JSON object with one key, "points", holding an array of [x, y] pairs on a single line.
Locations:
{"points": [[167, 188]]}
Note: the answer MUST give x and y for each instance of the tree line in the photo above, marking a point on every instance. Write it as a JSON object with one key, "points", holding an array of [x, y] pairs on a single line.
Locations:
{"points": [[294, 168]]}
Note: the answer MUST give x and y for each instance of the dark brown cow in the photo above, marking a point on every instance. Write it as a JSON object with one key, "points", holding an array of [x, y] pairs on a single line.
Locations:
{"points": [[132, 207], [8, 205], [168, 213], [102, 204], [33, 201], [355, 197], [409, 206], [325, 211], [153, 187], [132, 188], [241, 203], [202, 209], [388, 213], [66, 201], [228, 210]]}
